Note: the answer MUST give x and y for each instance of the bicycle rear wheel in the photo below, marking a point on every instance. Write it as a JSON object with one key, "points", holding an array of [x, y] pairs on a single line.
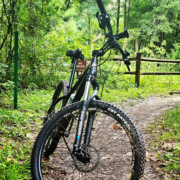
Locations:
{"points": [[53, 139], [116, 147], [61, 90]]}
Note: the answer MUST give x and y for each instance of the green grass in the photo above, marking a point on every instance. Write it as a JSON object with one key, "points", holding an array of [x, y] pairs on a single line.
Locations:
{"points": [[18, 129], [120, 87], [167, 142]]}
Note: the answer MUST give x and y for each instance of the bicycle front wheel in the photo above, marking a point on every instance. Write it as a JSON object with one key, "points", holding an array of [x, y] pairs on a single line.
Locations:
{"points": [[116, 147]]}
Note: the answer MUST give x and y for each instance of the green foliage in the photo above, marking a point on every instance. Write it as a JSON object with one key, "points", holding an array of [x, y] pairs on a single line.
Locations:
{"points": [[154, 51], [18, 130], [3, 69], [157, 21], [169, 133], [48, 28], [172, 121], [175, 54]]}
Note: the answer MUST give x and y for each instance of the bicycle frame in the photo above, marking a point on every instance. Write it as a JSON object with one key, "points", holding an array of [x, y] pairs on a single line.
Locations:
{"points": [[82, 86], [78, 85], [88, 78]]}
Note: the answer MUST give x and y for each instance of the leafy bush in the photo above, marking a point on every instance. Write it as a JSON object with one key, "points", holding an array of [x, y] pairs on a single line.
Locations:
{"points": [[175, 54], [153, 51]]}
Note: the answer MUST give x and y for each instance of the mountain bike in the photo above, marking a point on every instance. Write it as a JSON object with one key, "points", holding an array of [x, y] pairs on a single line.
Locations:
{"points": [[88, 139]]}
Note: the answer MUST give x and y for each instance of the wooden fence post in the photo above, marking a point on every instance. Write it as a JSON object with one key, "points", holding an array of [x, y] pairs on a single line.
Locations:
{"points": [[138, 67]]}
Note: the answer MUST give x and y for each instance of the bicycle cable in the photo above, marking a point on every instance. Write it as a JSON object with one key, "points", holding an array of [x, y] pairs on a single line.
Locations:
{"points": [[105, 59], [106, 79]]}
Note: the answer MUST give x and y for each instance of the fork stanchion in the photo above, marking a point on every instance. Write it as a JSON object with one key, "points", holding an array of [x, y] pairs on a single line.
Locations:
{"points": [[16, 71]]}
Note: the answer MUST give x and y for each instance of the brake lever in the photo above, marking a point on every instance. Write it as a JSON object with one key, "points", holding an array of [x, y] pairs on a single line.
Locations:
{"points": [[127, 62], [128, 68]]}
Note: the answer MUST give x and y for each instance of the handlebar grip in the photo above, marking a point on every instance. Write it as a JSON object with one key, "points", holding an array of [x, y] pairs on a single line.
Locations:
{"points": [[73, 53], [76, 54], [101, 6], [70, 53], [124, 34]]}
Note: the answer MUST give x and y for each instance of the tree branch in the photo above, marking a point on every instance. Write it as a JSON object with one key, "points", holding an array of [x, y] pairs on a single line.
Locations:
{"points": [[4, 40], [5, 11], [68, 4]]}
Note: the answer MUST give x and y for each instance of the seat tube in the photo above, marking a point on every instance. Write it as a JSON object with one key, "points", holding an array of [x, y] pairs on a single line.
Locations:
{"points": [[72, 74]]}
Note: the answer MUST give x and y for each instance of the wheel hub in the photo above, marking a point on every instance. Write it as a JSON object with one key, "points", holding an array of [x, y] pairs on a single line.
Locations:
{"points": [[83, 156], [86, 159]]}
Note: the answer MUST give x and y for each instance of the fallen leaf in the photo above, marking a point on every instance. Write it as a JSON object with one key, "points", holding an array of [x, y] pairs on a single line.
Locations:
{"points": [[106, 157], [24, 127], [151, 156], [169, 146], [116, 127], [166, 177], [45, 172], [8, 159], [31, 136], [129, 154]]}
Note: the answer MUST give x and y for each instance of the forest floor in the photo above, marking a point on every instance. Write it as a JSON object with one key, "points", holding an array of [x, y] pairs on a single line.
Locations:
{"points": [[144, 113], [17, 136]]}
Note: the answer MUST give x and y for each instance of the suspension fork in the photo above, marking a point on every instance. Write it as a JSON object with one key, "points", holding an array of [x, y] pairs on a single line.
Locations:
{"points": [[90, 80], [91, 116]]}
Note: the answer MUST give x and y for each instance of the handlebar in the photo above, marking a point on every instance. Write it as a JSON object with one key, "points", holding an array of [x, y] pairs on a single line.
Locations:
{"points": [[112, 44], [104, 21], [75, 54]]}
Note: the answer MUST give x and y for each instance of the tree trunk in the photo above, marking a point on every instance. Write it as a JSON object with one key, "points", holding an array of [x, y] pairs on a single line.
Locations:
{"points": [[118, 14], [9, 26], [128, 13], [125, 13], [89, 23]]}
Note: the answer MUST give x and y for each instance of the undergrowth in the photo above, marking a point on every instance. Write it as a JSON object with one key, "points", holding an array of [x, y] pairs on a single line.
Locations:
{"points": [[166, 142], [19, 128]]}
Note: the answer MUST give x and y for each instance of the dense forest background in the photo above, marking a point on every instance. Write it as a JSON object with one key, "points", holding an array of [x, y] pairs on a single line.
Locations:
{"points": [[47, 28]]}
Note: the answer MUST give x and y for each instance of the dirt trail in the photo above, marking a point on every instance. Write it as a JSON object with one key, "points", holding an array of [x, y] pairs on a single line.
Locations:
{"points": [[143, 114]]}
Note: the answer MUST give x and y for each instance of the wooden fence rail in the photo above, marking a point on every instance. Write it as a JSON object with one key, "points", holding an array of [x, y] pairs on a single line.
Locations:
{"points": [[138, 72]]}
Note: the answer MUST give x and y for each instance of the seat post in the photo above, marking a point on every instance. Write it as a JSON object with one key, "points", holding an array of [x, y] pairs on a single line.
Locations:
{"points": [[74, 61]]}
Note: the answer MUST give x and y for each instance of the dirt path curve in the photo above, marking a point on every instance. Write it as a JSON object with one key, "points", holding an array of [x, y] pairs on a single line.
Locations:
{"points": [[143, 114]]}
